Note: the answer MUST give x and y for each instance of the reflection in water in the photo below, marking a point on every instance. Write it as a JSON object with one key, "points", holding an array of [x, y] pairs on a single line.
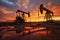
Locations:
{"points": [[35, 33], [41, 31], [34, 29]]}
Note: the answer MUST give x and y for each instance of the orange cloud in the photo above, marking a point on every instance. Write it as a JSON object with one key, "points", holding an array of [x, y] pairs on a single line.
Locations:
{"points": [[8, 14], [5, 11], [54, 8], [25, 3]]}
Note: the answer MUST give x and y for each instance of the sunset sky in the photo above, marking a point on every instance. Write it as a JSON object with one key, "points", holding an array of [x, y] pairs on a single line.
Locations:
{"points": [[8, 8]]}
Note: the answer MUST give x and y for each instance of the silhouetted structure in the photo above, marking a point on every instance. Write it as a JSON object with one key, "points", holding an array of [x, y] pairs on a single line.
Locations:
{"points": [[48, 15], [23, 13], [20, 21]]}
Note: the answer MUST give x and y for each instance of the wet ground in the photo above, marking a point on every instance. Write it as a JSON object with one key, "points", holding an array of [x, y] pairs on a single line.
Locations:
{"points": [[35, 34]]}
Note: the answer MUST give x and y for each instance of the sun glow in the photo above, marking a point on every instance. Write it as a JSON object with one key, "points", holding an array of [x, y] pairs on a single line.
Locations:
{"points": [[34, 17]]}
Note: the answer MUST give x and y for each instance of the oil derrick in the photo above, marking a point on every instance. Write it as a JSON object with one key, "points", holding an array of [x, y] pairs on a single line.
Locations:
{"points": [[20, 21], [23, 13], [49, 13]]}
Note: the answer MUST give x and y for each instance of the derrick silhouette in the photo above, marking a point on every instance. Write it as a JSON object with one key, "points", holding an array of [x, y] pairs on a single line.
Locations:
{"points": [[21, 21], [23, 13], [49, 13]]}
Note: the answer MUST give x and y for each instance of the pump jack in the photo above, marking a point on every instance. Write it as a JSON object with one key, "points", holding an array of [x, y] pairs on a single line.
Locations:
{"points": [[20, 21], [49, 13], [23, 13]]}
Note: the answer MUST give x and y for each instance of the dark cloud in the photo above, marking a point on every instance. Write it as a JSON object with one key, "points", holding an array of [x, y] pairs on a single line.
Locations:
{"points": [[37, 2], [8, 4], [54, 2], [32, 3]]}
